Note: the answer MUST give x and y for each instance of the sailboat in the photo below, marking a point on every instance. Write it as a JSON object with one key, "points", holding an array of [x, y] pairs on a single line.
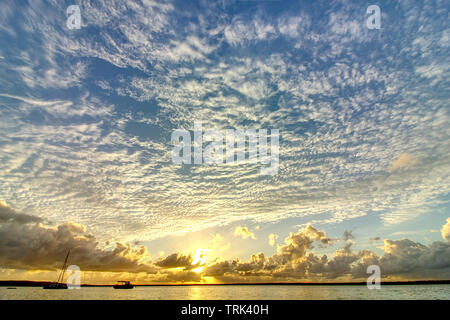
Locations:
{"points": [[59, 283]]}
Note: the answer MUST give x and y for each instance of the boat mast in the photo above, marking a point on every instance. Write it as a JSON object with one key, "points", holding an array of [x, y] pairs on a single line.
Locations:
{"points": [[64, 267]]}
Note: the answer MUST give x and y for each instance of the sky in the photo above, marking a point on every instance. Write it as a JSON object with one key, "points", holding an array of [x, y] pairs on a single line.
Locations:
{"points": [[87, 116]]}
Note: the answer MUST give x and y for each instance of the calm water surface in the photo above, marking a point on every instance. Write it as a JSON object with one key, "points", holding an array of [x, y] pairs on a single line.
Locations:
{"points": [[402, 292]]}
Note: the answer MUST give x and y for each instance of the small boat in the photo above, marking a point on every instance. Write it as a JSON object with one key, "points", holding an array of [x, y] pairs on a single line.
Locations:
{"points": [[55, 285], [123, 285], [58, 284]]}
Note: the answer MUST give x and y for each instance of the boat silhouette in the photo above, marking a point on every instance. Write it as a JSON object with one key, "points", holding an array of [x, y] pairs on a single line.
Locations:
{"points": [[58, 284], [123, 285]]}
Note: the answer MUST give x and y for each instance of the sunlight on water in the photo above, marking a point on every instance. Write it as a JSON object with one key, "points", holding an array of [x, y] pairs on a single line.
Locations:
{"points": [[402, 292]]}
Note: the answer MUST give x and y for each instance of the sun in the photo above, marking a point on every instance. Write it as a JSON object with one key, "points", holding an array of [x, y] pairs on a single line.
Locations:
{"points": [[199, 259]]}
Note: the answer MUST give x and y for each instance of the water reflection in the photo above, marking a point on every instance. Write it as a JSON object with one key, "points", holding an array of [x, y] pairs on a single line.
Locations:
{"points": [[195, 293], [401, 292]]}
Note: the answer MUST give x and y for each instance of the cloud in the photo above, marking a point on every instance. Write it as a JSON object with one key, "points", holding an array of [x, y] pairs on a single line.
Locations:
{"points": [[244, 233], [347, 235], [217, 243], [26, 244], [272, 238], [445, 231], [284, 264], [374, 240], [240, 32], [293, 26], [219, 269], [178, 276], [7, 214], [295, 261], [342, 115], [408, 258], [404, 161], [176, 260], [36, 102], [298, 243]]}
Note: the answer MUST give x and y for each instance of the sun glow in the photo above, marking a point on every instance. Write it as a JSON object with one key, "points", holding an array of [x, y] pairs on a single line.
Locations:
{"points": [[199, 258], [198, 270]]}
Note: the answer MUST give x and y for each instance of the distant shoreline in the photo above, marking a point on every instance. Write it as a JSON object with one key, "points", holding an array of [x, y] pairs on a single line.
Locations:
{"points": [[24, 283]]}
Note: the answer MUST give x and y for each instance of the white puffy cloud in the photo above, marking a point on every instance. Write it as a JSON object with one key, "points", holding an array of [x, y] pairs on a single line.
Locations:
{"points": [[445, 231]]}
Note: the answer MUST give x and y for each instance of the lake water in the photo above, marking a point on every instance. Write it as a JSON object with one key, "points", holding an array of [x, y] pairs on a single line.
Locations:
{"points": [[273, 292]]}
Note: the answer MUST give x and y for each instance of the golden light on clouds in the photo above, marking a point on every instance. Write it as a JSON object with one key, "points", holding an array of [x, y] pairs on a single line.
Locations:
{"points": [[198, 270], [244, 233], [445, 231], [272, 238]]}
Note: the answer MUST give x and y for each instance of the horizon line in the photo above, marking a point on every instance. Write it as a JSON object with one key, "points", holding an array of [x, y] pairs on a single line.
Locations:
{"points": [[33, 283]]}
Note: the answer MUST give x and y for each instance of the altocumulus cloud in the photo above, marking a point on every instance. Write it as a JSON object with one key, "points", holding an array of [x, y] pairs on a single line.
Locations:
{"points": [[354, 119]]}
